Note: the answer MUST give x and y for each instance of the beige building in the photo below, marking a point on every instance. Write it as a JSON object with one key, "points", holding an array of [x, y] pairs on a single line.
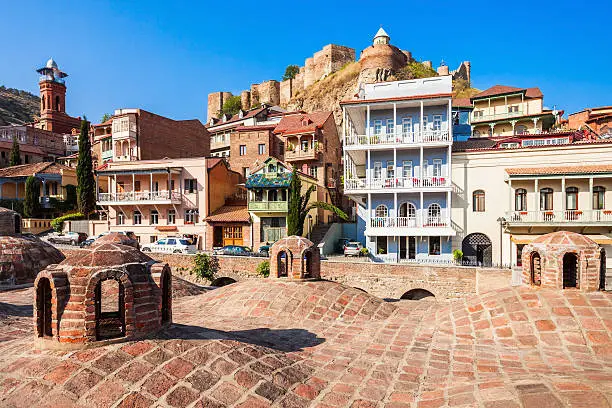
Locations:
{"points": [[505, 111], [154, 198], [506, 196]]}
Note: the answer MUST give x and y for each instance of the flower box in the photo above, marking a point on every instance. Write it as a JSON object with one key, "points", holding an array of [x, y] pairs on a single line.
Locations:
{"points": [[523, 212], [607, 212]]}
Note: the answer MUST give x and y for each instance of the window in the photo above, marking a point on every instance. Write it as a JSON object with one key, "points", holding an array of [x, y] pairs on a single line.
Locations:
{"points": [[425, 170], [571, 198], [425, 122], [381, 211], [137, 218], [390, 169], [433, 214], [313, 171], [190, 185], [437, 167], [520, 200], [153, 240], [171, 216], [599, 193], [407, 125], [434, 245], [381, 245], [513, 109], [478, 201], [478, 114], [154, 220], [243, 150], [546, 199], [407, 168], [191, 216], [246, 172], [261, 149], [136, 185], [390, 126], [377, 170], [377, 127], [437, 122], [120, 218]]}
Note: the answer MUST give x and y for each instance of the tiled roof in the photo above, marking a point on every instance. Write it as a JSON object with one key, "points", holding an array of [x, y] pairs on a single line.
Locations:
{"points": [[503, 89], [24, 148], [26, 170], [553, 170], [396, 99], [302, 123], [460, 146], [255, 127], [462, 103], [533, 93], [230, 213], [261, 181], [213, 161], [237, 118]]}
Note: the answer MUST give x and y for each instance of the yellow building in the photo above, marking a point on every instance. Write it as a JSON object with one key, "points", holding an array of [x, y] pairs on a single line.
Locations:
{"points": [[505, 111]]}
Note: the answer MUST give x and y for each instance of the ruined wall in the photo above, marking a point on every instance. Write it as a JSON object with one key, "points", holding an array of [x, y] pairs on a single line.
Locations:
{"points": [[266, 92], [215, 103]]}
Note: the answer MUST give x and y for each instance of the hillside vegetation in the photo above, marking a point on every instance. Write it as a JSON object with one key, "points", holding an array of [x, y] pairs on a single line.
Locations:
{"points": [[17, 107]]}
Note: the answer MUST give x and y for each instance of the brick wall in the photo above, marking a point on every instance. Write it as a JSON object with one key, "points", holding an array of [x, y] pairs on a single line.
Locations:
{"points": [[252, 139]]}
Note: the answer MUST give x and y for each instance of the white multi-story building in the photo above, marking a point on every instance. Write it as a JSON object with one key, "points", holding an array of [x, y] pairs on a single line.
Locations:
{"points": [[397, 160]]}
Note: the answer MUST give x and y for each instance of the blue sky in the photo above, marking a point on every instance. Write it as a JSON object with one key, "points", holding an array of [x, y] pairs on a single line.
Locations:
{"points": [[166, 56]]}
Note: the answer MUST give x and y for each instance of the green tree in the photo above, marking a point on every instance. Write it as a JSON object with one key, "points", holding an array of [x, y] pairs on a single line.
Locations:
{"points": [[31, 204], [299, 205], [86, 199], [290, 72], [105, 117], [231, 106], [15, 158]]}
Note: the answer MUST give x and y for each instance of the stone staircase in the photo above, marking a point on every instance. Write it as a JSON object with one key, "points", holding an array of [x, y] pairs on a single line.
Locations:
{"points": [[318, 233]]}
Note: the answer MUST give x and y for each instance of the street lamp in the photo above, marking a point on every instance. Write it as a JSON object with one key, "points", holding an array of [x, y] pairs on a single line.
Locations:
{"points": [[502, 222]]}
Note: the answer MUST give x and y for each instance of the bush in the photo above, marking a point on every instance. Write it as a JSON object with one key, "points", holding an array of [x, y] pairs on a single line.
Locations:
{"points": [[206, 267], [58, 223], [457, 255], [364, 251], [263, 269]]}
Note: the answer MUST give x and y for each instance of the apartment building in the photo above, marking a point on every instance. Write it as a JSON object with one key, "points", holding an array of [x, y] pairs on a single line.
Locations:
{"points": [[506, 110], [162, 197], [596, 120], [35, 145], [135, 134], [397, 160], [251, 145], [509, 191]]}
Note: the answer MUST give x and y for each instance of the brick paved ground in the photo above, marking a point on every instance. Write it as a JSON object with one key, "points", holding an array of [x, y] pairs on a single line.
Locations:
{"points": [[265, 343]]}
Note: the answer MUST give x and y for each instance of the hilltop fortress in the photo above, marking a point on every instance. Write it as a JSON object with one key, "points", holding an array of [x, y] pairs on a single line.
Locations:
{"points": [[377, 63]]}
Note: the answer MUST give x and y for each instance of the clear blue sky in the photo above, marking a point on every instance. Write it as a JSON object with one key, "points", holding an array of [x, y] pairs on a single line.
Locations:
{"points": [[166, 56]]}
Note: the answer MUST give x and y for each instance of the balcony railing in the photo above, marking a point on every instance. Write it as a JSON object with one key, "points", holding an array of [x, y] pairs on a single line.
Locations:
{"points": [[418, 220], [140, 196], [268, 206], [300, 154], [496, 116], [397, 183], [405, 138], [559, 217]]}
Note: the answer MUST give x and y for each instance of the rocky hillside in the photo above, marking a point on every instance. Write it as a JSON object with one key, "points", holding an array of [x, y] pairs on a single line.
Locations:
{"points": [[17, 107]]}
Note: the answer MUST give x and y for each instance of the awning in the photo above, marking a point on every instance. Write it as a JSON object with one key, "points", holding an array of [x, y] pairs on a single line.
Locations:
{"points": [[166, 228], [523, 239]]}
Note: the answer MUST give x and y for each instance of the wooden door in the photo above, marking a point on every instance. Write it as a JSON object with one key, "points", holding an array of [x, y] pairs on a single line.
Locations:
{"points": [[232, 235]]}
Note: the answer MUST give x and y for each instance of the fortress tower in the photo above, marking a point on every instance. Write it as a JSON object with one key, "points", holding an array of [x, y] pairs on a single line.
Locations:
{"points": [[53, 115], [381, 59]]}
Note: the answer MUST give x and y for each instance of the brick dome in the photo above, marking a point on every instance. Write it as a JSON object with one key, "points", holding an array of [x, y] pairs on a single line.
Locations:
{"points": [[565, 238], [116, 238], [296, 258], [107, 254]]}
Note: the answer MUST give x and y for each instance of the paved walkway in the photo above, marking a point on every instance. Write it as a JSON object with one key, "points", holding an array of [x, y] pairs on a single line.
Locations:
{"points": [[265, 343]]}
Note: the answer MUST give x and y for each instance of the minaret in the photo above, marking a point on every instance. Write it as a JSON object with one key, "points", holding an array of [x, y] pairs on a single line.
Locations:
{"points": [[52, 96]]}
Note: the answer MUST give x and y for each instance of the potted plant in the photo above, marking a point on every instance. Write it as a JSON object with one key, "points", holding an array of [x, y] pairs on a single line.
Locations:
{"points": [[458, 256], [364, 251]]}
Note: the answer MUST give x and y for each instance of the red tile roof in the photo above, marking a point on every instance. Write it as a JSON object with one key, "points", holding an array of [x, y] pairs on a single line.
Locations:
{"points": [[301, 123], [504, 89], [26, 170], [462, 103], [230, 213], [396, 99], [255, 128], [213, 161], [24, 148], [553, 170]]}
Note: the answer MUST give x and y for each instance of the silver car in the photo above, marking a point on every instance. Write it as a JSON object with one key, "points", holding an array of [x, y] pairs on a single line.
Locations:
{"points": [[353, 248]]}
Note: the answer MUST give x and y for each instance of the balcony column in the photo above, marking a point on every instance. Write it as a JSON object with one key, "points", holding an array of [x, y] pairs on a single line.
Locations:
{"points": [[449, 163], [449, 123], [368, 170], [563, 196], [134, 185], [395, 207], [421, 130], [536, 195], [394, 121], [369, 224], [368, 122], [151, 184], [169, 190], [591, 192], [115, 183], [420, 222], [97, 186], [344, 127], [448, 208], [509, 194], [393, 183], [506, 103], [421, 169]]}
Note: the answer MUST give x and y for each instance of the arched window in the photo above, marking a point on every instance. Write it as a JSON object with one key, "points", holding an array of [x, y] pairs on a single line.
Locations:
{"points": [[478, 201], [546, 199], [43, 308], [520, 199], [433, 214], [272, 195], [57, 103], [599, 193], [407, 210], [520, 130], [109, 300], [536, 269], [382, 211], [571, 198]]}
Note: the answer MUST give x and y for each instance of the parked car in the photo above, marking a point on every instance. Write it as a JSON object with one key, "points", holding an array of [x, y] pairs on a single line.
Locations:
{"points": [[71, 238], [236, 250], [353, 248], [264, 250], [341, 244], [174, 245], [87, 242]]}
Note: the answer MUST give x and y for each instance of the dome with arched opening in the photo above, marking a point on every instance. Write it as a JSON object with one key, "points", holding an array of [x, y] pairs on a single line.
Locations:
{"points": [[295, 257], [109, 292], [563, 260]]}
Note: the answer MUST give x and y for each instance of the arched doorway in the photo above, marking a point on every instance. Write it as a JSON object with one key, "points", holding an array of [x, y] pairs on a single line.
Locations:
{"points": [[223, 281], [306, 264], [477, 250], [602, 270], [43, 308], [535, 263], [570, 268], [283, 264], [109, 299], [166, 300], [417, 294]]}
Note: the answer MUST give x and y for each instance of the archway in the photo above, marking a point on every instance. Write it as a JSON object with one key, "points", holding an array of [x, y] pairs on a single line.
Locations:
{"points": [[283, 264], [166, 281], [602, 270], [535, 267], [570, 267], [417, 294], [109, 298], [477, 250], [306, 264], [223, 281], [43, 308]]}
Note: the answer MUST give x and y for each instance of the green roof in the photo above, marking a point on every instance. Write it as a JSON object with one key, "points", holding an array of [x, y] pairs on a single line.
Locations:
{"points": [[263, 180]]}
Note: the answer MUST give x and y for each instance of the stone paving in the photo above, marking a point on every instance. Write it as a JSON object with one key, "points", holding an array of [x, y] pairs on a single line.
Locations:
{"points": [[273, 344]]}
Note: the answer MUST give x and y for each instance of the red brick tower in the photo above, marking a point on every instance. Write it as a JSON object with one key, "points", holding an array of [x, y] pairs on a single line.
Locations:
{"points": [[53, 115]]}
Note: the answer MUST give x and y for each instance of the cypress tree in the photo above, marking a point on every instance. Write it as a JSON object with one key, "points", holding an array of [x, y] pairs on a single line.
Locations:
{"points": [[31, 204], [86, 199], [15, 158]]}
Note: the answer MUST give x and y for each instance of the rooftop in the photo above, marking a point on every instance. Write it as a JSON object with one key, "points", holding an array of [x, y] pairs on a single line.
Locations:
{"points": [[498, 90], [26, 170], [554, 170]]}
